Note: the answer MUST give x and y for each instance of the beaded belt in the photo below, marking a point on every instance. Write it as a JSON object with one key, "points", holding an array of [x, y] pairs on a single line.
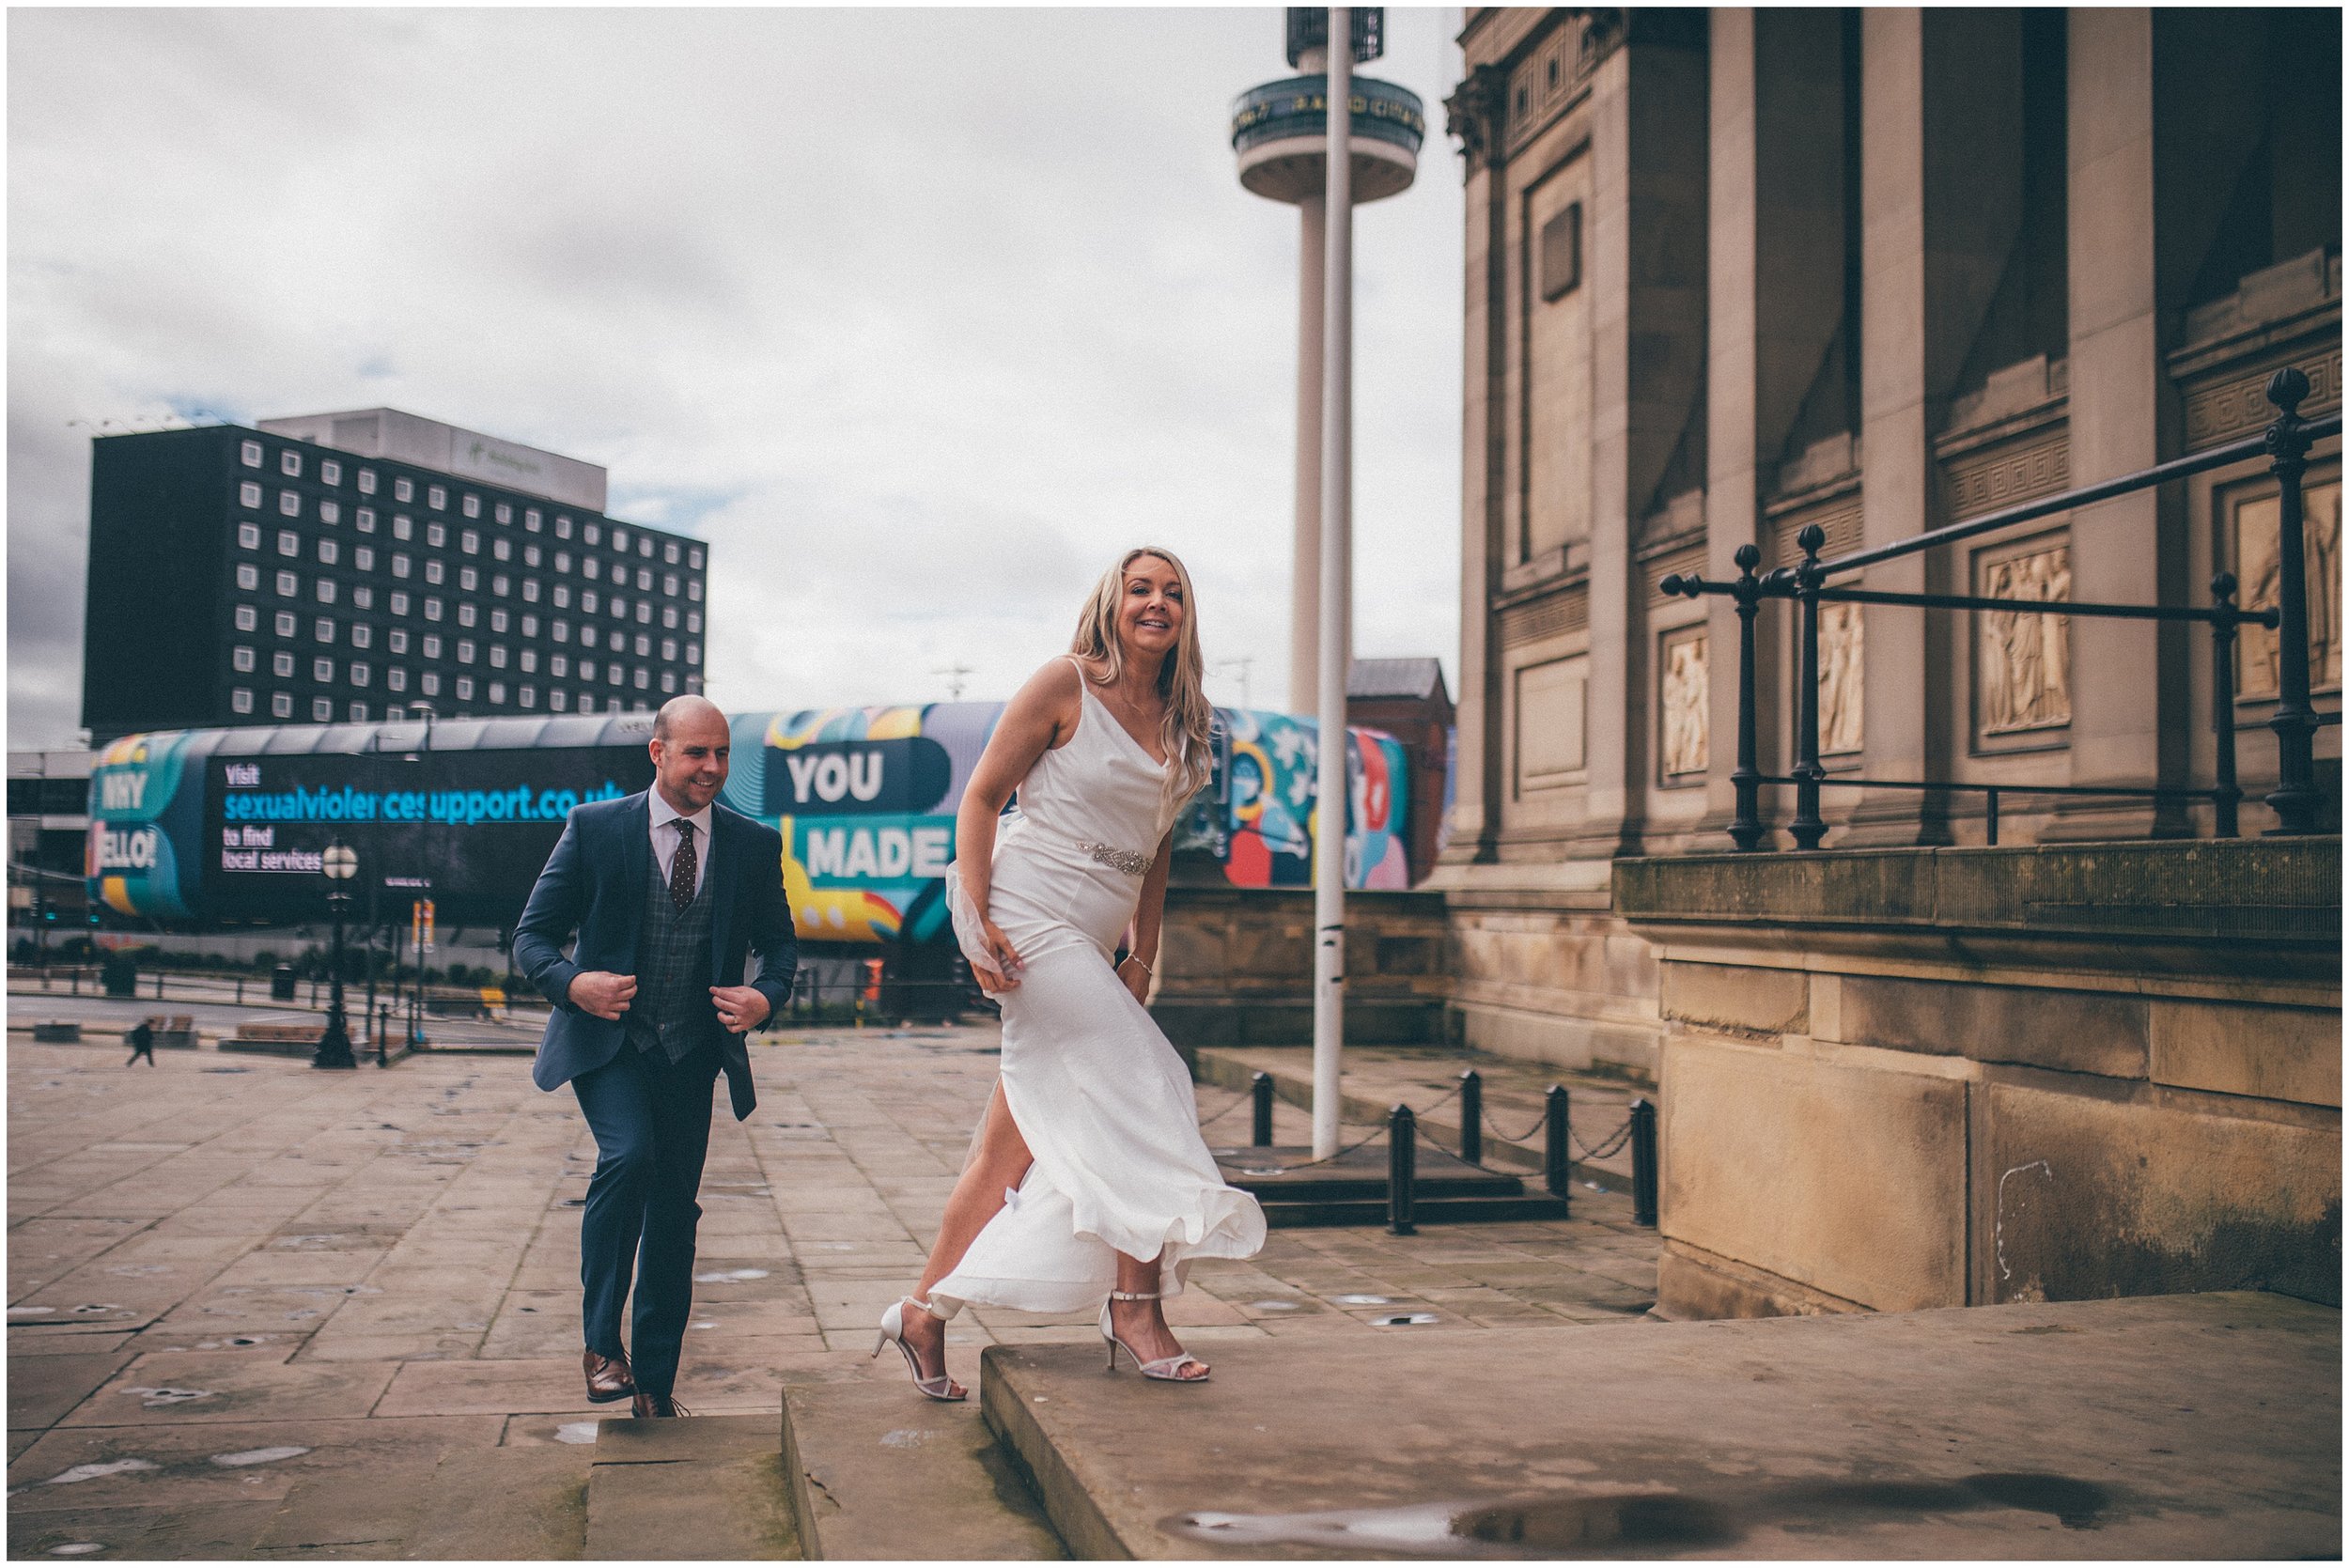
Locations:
{"points": [[1109, 855]]}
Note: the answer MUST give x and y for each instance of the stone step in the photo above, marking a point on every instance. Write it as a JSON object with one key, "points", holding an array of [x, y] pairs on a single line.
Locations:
{"points": [[694, 1487], [879, 1474], [505, 1504], [494, 1503], [1350, 1188], [2157, 1427]]}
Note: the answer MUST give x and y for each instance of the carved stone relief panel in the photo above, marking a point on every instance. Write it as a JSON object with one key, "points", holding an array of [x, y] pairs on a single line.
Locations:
{"points": [[2023, 660], [1549, 742], [2258, 571], [1685, 706], [1843, 649]]}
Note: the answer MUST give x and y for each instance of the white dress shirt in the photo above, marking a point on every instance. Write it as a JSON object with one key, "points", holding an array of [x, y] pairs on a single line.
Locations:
{"points": [[664, 837]]}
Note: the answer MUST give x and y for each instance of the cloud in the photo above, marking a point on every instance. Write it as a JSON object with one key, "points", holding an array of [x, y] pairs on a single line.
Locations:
{"points": [[918, 317]]}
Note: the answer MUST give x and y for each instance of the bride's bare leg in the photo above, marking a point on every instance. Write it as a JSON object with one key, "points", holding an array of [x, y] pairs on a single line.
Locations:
{"points": [[1142, 1323], [1001, 1162]]}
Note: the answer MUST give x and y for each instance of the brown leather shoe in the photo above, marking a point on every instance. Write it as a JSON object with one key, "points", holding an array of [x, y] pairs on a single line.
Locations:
{"points": [[656, 1405], [608, 1378]]}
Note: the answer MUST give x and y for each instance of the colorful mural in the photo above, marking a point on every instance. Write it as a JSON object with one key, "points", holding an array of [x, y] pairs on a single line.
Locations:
{"points": [[212, 824]]}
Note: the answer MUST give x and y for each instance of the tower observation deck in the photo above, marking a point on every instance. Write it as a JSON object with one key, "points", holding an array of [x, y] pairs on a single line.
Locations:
{"points": [[1280, 132]]}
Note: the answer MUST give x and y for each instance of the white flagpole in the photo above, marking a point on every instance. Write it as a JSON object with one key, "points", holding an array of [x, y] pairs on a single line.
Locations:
{"points": [[1337, 395]]}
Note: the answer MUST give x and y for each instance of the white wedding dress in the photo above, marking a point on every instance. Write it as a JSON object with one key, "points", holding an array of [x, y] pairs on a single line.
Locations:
{"points": [[1103, 1101]]}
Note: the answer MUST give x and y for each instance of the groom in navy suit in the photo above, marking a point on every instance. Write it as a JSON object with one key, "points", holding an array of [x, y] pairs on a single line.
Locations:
{"points": [[668, 890]]}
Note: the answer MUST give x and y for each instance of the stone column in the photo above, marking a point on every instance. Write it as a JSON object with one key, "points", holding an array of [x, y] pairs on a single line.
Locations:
{"points": [[1474, 114], [1647, 254], [1776, 298], [1942, 203], [2128, 678], [1733, 509]]}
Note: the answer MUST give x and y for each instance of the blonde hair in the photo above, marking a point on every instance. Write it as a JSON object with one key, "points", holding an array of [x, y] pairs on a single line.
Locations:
{"points": [[1184, 734]]}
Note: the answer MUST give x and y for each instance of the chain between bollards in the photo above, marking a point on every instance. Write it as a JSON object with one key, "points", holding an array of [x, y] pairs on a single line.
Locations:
{"points": [[1402, 1169]]}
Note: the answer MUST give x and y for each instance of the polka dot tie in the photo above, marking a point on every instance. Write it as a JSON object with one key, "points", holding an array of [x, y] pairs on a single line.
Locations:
{"points": [[685, 869]]}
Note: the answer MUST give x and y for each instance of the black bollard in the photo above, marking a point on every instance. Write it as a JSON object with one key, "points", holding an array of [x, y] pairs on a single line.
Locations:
{"points": [[1471, 1117], [1402, 1169], [1556, 1161], [1260, 1087], [1642, 1163]]}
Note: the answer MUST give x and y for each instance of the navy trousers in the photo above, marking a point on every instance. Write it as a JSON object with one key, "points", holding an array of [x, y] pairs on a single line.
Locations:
{"points": [[651, 1121]]}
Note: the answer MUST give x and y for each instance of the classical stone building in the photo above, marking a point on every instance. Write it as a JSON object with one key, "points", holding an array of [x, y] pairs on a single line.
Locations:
{"points": [[1730, 274], [1734, 274]]}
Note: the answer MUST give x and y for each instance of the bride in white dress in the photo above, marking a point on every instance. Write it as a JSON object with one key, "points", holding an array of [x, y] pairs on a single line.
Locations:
{"points": [[1088, 1184]]}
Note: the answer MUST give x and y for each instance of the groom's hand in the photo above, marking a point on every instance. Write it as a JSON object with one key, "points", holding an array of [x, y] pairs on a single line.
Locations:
{"points": [[600, 992], [740, 1008]]}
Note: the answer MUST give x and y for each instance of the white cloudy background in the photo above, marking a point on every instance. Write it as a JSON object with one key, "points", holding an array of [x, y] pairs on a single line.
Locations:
{"points": [[916, 316]]}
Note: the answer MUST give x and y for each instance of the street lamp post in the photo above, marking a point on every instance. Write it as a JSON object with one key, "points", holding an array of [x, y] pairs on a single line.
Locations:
{"points": [[340, 864]]}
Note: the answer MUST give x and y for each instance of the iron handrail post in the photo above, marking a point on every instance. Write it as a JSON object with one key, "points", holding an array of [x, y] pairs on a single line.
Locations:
{"points": [[1746, 829], [1807, 827], [2294, 798], [1260, 1089], [2225, 795], [1990, 814]]}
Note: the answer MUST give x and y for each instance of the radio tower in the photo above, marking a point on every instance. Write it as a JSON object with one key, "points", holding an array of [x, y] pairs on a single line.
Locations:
{"points": [[1280, 132]]}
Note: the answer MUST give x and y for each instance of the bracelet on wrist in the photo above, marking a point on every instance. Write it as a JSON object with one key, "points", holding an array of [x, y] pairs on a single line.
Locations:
{"points": [[1137, 958]]}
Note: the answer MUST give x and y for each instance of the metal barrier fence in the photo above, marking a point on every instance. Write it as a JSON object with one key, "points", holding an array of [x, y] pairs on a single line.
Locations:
{"points": [[2295, 799]]}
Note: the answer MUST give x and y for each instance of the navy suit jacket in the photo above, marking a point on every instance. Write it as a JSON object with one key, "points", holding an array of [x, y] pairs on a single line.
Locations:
{"points": [[594, 884]]}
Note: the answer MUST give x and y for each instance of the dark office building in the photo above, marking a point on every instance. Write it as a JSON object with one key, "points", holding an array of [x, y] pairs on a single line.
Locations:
{"points": [[353, 566]]}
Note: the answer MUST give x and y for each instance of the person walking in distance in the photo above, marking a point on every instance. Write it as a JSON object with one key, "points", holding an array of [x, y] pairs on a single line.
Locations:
{"points": [[669, 892], [141, 1039]]}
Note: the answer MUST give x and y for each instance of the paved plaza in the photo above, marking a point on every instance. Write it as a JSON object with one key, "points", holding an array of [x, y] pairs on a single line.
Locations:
{"points": [[228, 1275]]}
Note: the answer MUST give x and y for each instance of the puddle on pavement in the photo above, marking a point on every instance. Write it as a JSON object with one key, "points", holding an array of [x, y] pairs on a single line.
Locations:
{"points": [[157, 1399], [256, 1457], [1636, 1523], [1404, 1320]]}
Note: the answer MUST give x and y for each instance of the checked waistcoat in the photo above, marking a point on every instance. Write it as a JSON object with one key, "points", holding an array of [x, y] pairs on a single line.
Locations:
{"points": [[672, 1012]]}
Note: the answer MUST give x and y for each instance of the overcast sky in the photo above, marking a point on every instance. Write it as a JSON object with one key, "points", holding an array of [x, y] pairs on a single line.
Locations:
{"points": [[919, 317]]}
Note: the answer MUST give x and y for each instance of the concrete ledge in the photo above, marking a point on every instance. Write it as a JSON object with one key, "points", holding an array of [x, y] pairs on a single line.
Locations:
{"points": [[2154, 1427], [2233, 893]]}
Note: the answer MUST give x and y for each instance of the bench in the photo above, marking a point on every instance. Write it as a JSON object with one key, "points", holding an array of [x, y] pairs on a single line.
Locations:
{"points": [[57, 1032], [277, 1039], [173, 1032]]}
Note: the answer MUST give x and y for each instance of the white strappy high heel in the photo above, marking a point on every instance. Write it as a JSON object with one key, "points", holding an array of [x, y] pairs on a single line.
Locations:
{"points": [[893, 1324], [1166, 1369]]}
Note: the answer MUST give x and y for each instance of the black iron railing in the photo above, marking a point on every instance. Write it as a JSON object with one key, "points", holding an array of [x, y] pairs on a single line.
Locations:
{"points": [[2296, 799]]}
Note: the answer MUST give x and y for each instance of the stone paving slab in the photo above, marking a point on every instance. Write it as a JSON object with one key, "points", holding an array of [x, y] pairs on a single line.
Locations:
{"points": [[379, 1268], [2151, 1427]]}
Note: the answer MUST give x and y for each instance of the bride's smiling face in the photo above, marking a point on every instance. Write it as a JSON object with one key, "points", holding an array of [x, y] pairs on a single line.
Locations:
{"points": [[1150, 616]]}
